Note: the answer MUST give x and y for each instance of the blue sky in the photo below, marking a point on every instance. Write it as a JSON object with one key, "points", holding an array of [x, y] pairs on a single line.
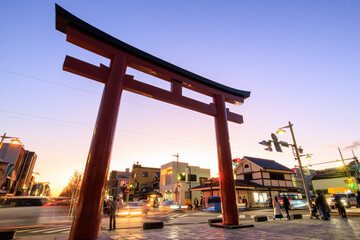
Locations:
{"points": [[299, 59]]}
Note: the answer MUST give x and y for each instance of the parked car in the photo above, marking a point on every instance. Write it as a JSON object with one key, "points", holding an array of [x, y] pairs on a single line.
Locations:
{"points": [[348, 200], [22, 211], [172, 206], [133, 208], [296, 200], [214, 205]]}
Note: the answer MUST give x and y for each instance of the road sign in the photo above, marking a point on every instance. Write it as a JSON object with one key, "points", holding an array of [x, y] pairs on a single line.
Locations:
{"points": [[127, 191]]}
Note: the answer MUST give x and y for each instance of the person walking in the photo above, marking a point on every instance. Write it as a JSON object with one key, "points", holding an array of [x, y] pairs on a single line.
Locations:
{"points": [[113, 210], [286, 206], [358, 199], [320, 203], [202, 203], [340, 206], [277, 209], [196, 204]]}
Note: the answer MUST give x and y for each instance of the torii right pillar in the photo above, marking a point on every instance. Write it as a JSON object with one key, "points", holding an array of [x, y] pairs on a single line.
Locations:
{"points": [[229, 208]]}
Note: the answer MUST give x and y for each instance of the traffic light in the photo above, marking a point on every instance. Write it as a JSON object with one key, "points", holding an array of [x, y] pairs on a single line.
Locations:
{"points": [[266, 144], [276, 142], [350, 183], [236, 161]]}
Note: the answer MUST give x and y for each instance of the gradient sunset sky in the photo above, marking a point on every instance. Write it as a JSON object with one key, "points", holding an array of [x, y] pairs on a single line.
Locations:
{"points": [[299, 59]]}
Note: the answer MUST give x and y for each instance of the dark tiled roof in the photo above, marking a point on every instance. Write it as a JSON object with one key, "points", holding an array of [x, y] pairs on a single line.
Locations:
{"points": [[63, 18], [246, 184], [268, 164]]}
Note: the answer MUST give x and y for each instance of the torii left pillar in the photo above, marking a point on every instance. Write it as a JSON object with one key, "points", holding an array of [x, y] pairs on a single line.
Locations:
{"points": [[87, 217]]}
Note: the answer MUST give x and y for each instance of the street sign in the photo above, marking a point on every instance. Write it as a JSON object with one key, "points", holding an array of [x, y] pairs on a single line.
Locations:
{"points": [[127, 191]]}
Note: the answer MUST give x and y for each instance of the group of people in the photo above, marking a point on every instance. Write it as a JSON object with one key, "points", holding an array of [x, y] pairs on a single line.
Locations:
{"points": [[199, 205], [277, 208]]}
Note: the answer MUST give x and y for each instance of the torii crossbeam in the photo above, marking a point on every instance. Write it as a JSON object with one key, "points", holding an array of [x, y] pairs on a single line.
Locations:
{"points": [[87, 217]]}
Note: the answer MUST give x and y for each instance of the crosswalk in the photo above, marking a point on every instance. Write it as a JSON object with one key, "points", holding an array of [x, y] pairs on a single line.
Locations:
{"points": [[45, 230]]}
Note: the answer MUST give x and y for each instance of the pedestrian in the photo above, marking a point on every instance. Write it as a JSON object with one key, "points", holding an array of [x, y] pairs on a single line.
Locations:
{"points": [[244, 201], [104, 208], [286, 203], [314, 209], [270, 202], [196, 204], [240, 200], [202, 203], [113, 210], [321, 205], [277, 209], [340, 206], [358, 199]]}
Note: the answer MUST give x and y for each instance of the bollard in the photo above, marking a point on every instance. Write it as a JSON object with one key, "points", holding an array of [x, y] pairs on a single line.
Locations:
{"points": [[153, 225], [260, 218]]}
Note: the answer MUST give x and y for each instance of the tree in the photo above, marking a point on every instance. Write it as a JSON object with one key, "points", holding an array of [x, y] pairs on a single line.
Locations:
{"points": [[73, 184]]}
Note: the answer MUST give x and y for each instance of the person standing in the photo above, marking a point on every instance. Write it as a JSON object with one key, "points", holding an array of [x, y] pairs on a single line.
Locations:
{"points": [[277, 209], [358, 199], [340, 206], [286, 206], [245, 202], [321, 204], [113, 210]]}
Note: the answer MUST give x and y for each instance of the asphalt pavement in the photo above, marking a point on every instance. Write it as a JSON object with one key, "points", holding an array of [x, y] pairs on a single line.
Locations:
{"points": [[190, 225]]}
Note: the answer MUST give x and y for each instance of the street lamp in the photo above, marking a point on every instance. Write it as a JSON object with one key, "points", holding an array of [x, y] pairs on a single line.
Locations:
{"points": [[306, 187], [14, 140]]}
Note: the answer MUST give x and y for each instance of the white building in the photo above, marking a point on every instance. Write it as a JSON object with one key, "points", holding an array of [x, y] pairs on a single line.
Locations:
{"points": [[176, 178]]}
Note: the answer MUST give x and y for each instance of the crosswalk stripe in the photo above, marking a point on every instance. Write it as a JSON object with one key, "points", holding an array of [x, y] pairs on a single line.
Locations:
{"points": [[44, 230], [57, 230]]}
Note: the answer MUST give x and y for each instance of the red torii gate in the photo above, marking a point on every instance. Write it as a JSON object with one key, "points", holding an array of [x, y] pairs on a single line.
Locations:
{"points": [[87, 218]]}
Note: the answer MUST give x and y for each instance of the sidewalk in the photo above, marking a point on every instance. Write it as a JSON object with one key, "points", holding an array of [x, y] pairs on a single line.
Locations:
{"points": [[306, 228]]}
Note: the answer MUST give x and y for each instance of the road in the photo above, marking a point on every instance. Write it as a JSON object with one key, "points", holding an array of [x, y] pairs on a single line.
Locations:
{"points": [[169, 219]]}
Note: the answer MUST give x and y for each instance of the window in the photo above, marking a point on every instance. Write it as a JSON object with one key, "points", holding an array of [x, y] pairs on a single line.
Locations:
{"points": [[248, 176], [134, 175], [246, 166], [192, 177], [277, 176], [202, 180], [145, 174]]}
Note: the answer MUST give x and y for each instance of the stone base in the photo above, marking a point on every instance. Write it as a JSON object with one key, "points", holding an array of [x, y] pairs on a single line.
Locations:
{"points": [[221, 225], [7, 234]]}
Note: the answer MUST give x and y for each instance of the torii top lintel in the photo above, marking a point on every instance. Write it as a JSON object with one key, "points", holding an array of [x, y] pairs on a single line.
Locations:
{"points": [[88, 37]]}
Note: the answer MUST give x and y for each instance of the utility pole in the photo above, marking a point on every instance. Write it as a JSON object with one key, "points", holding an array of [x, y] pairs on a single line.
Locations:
{"points": [[347, 171], [306, 187], [177, 168], [345, 167]]}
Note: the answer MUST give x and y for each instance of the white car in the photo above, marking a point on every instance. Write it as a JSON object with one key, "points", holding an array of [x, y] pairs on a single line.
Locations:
{"points": [[348, 200]]}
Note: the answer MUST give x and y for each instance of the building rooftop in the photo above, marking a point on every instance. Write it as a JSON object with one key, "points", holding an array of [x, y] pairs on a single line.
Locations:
{"points": [[267, 164]]}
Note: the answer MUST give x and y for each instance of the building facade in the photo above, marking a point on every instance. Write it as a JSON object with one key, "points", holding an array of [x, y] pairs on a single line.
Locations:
{"points": [[258, 181], [118, 181], [141, 178], [177, 178], [334, 180]]}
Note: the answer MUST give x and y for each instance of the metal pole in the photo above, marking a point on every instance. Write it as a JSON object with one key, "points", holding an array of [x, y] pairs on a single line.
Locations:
{"points": [[347, 170], [229, 208], [345, 167], [306, 187]]}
